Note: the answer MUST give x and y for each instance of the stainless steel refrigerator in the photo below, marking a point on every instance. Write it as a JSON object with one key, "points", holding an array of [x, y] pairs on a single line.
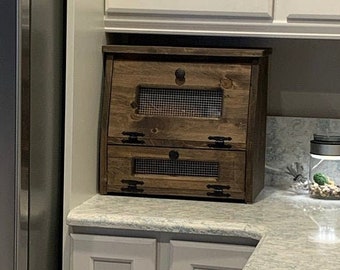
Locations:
{"points": [[31, 133]]}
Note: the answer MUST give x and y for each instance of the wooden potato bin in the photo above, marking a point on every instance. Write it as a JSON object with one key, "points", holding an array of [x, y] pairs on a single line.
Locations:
{"points": [[183, 122]]}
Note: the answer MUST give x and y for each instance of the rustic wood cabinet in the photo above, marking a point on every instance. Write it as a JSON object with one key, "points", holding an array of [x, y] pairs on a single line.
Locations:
{"points": [[187, 122]]}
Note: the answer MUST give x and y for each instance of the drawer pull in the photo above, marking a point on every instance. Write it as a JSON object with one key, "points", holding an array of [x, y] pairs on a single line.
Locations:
{"points": [[132, 186], [133, 137], [180, 74], [218, 191], [173, 155], [219, 142]]}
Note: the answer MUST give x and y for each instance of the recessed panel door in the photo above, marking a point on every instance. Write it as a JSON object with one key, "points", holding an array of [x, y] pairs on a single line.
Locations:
{"points": [[187, 255], [94, 252]]}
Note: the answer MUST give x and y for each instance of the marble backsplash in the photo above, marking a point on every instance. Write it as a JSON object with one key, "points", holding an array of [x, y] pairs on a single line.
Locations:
{"points": [[288, 142]]}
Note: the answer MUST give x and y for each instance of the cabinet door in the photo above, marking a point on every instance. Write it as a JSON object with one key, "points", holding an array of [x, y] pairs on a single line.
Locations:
{"points": [[193, 173], [93, 252], [236, 8], [208, 256], [313, 11]]}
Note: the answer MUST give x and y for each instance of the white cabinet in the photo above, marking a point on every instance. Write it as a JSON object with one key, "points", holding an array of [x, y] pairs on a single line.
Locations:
{"points": [[186, 255], [260, 18], [97, 252], [184, 17], [308, 11], [94, 252], [237, 8]]}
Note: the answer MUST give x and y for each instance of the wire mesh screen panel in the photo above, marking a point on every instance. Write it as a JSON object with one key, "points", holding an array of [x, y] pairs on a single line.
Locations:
{"points": [[180, 102], [176, 167]]}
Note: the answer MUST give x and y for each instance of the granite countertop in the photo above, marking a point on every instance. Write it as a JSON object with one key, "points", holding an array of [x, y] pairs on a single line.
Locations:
{"points": [[295, 231]]}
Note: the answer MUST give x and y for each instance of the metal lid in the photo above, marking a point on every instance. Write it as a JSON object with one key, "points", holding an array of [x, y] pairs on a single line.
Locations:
{"points": [[329, 137], [325, 144]]}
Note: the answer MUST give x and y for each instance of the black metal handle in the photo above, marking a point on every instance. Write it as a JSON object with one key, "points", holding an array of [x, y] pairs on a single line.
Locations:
{"points": [[133, 137], [180, 74], [219, 141], [132, 186], [218, 190], [173, 155]]}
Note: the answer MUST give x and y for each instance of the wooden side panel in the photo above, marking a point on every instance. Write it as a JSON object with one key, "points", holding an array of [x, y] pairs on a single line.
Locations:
{"points": [[256, 130], [233, 79], [231, 171], [104, 124]]}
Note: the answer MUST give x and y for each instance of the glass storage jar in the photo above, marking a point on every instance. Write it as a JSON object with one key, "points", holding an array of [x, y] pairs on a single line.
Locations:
{"points": [[324, 170]]}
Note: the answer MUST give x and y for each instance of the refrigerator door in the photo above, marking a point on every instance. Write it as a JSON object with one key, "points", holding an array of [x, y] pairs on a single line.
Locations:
{"points": [[23, 135], [8, 54], [40, 76], [31, 133], [46, 134]]}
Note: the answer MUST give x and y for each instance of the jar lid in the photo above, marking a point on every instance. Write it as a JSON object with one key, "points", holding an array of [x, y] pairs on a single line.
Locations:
{"points": [[329, 137], [325, 144]]}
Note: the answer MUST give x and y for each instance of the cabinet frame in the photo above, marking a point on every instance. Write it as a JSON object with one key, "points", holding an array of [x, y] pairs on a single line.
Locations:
{"points": [[272, 18], [158, 250], [140, 253]]}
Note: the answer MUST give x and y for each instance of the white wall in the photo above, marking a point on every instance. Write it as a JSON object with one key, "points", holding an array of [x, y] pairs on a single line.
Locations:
{"points": [[84, 71]]}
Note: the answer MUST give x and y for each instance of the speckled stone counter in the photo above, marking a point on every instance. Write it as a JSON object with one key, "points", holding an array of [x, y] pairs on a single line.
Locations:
{"points": [[295, 231]]}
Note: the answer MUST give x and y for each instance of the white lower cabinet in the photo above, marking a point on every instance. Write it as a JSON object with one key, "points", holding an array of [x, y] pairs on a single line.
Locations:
{"points": [[186, 255], [95, 252]]}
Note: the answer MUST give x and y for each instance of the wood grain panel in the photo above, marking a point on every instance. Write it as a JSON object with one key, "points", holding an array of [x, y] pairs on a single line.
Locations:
{"points": [[241, 75], [185, 51], [233, 79], [120, 166]]}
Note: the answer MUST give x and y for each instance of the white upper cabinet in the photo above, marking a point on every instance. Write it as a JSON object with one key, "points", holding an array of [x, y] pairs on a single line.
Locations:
{"points": [[250, 18], [233, 8], [307, 11]]}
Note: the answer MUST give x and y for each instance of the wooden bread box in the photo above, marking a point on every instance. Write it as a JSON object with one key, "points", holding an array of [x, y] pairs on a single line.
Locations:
{"points": [[183, 122]]}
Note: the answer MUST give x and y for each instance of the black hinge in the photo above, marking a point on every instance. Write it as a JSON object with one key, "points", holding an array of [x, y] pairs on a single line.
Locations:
{"points": [[132, 186], [219, 142], [133, 137], [218, 190]]}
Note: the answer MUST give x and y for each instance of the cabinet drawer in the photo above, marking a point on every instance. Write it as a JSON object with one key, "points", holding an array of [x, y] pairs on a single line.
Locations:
{"points": [[195, 255], [313, 11], [235, 8], [172, 109], [176, 172]]}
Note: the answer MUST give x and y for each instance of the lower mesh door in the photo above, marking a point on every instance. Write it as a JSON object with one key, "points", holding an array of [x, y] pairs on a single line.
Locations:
{"points": [[176, 172]]}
